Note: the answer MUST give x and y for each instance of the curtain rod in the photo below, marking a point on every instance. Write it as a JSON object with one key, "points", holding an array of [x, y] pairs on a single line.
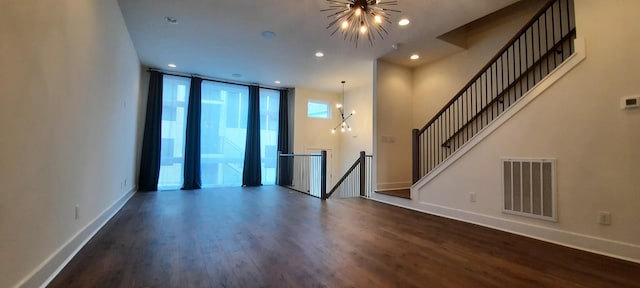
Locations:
{"points": [[186, 75]]}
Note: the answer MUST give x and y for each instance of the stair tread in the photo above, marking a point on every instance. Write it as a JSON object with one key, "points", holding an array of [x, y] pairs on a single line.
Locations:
{"points": [[402, 193]]}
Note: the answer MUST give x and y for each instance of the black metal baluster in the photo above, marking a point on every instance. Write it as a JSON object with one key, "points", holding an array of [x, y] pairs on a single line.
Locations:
{"points": [[513, 55], [520, 73], [553, 27], [526, 62], [466, 114], [502, 89], [539, 52], [546, 40], [475, 88]]}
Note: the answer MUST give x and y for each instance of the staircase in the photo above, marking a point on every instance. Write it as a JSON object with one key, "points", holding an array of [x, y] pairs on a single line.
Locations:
{"points": [[543, 43]]}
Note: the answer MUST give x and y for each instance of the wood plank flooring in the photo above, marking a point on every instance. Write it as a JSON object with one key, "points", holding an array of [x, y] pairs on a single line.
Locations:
{"points": [[274, 237]]}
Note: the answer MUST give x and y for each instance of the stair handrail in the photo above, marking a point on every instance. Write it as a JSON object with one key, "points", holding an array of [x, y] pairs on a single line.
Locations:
{"points": [[344, 177], [454, 117], [511, 41]]}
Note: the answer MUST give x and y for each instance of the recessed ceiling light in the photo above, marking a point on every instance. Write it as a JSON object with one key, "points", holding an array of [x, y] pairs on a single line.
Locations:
{"points": [[404, 22], [172, 65], [171, 20], [268, 34], [319, 54], [277, 81], [415, 57]]}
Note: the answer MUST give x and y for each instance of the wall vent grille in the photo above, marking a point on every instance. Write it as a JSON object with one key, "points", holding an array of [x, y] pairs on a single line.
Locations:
{"points": [[529, 187]]}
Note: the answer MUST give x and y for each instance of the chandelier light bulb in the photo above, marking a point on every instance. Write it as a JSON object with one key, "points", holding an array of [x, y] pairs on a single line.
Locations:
{"points": [[338, 105], [358, 11], [353, 112], [378, 19], [363, 29], [333, 131], [349, 129], [345, 24], [342, 129]]}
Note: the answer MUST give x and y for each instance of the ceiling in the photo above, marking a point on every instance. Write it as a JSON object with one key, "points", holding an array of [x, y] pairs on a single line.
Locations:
{"points": [[222, 39]]}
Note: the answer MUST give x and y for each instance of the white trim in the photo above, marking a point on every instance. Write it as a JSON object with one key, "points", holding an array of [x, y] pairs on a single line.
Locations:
{"points": [[50, 267], [392, 189], [386, 186], [611, 248], [546, 82]]}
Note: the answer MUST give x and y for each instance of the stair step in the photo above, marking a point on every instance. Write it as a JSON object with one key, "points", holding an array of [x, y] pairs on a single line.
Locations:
{"points": [[401, 193]]}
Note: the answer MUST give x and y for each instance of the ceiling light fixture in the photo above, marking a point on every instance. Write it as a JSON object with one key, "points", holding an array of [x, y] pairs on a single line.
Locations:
{"points": [[404, 22], [172, 65], [277, 81], [415, 57], [171, 20], [319, 54], [359, 18], [344, 126], [268, 35]]}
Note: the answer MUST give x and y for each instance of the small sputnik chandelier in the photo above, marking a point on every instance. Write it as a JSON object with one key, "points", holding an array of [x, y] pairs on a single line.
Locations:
{"points": [[360, 18], [344, 126]]}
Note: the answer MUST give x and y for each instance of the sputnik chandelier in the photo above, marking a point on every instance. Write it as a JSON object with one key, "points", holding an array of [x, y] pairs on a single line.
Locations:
{"points": [[360, 18], [344, 126]]}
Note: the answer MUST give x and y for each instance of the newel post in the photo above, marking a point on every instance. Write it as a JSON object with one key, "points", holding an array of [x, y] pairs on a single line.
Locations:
{"points": [[415, 145], [323, 175], [362, 174]]}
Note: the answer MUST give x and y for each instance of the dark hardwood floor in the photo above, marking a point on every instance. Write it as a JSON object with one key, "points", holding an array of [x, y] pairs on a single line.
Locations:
{"points": [[274, 237]]}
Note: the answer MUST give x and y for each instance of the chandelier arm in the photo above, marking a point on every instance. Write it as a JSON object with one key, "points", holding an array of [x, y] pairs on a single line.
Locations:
{"points": [[334, 31], [380, 33], [345, 119], [334, 22], [340, 2], [338, 13]]}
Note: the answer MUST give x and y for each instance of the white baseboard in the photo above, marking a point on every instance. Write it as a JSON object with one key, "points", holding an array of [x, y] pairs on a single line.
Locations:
{"points": [[50, 267], [616, 249]]}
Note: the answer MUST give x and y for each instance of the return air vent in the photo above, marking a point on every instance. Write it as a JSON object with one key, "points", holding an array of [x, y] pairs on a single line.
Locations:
{"points": [[529, 187]]}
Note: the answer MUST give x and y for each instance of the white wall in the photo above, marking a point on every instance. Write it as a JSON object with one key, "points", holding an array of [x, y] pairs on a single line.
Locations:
{"points": [[393, 101], [314, 133], [359, 98], [579, 122], [70, 97]]}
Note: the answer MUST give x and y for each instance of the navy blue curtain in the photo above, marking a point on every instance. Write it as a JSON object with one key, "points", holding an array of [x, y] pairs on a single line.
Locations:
{"points": [[192, 178], [150, 158], [252, 173], [285, 164]]}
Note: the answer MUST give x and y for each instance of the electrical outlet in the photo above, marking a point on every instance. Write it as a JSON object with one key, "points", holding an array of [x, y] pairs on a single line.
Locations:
{"points": [[604, 218], [472, 197], [77, 212]]}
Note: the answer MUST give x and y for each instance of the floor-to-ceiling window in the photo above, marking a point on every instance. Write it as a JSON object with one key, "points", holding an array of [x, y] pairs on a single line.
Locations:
{"points": [[224, 114], [269, 103], [175, 98], [224, 129]]}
